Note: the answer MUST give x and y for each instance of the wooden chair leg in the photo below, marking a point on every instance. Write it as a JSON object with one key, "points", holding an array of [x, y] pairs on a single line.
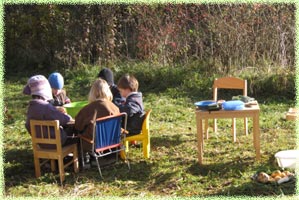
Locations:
{"points": [[234, 129], [215, 126], [61, 170], [53, 165], [37, 167]]}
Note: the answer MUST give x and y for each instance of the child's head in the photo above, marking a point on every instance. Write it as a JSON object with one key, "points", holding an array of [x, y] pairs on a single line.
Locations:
{"points": [[99, 90], [127, 84], [107, 75], [57, 82], [38, 86]]}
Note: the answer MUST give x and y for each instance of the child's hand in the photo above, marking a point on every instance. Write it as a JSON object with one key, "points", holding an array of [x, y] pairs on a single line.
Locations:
{"points": [[61, 109]]}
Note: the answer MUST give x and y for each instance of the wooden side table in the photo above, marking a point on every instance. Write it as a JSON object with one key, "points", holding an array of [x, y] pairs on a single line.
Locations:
{"points": [[250, 112]]}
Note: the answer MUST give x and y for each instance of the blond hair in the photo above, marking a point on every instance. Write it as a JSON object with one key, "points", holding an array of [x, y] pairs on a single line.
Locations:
{"points": [[128, 82], [99, 90]]}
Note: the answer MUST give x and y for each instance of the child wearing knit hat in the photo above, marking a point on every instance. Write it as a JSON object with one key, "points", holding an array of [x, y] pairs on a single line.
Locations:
{"points": [[59, 94], [107, 75], [39, 107]]}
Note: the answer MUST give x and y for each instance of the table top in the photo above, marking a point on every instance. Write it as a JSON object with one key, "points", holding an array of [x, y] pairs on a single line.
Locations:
{"points": [[252, 107], [228, 113]]}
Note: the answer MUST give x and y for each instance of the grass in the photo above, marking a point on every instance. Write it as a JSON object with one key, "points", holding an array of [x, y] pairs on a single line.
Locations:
{"points": [[172, 169]]}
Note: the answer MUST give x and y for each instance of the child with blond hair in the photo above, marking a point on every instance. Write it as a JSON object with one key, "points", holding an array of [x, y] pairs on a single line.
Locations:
{"points": [[100, 105]]}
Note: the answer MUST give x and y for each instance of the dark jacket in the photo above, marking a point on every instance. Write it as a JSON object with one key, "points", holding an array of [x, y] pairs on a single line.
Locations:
{"points": [[135, 111], [107, 75], [117, 98], [43, 110]]}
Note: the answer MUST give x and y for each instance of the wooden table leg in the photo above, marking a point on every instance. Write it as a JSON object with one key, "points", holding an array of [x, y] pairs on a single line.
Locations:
{"points": [[199, 139], [256, 136]]}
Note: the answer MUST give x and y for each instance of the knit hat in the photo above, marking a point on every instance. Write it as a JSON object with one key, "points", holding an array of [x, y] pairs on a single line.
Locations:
{"points": [[56, 80], [107, 75], [38, 85]]}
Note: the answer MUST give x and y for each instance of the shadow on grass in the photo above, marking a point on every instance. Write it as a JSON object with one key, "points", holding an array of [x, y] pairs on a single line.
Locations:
{"points": [[18, 167], [19, 170], [237, 169], [252, 188], [167, 141]]}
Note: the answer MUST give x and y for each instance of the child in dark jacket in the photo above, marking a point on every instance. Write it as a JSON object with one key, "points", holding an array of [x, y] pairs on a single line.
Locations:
{"points": [[107, 75], [133, 106]]}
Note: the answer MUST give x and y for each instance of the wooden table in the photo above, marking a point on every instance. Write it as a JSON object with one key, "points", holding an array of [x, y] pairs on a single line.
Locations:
{"points": [[250, 112], [292, 114]]}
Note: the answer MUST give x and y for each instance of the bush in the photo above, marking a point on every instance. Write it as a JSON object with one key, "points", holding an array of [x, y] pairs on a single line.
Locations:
{"points": [[188, 80]]}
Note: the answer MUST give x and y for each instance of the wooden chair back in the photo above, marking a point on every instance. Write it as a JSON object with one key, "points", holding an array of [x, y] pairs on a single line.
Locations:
{"points": [[229, 83], [46, 144]]}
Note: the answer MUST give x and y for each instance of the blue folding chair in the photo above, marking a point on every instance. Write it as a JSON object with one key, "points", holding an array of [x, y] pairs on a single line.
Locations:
{"points": [[107, 138]]}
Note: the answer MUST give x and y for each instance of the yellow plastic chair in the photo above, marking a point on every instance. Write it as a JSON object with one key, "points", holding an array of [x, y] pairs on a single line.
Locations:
{"points": [[144, 136], [228, 83], [46, 143]]}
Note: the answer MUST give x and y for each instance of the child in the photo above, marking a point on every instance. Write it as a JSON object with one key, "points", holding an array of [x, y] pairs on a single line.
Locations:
{"points": [[40, 109], [100, 105], [133, 106], [107, 75], [59, 95]]}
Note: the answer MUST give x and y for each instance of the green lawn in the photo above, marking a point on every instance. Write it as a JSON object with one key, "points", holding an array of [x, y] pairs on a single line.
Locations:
{"points": [[173, 169]]}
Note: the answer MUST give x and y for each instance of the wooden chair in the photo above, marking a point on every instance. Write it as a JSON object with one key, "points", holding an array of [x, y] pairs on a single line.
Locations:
{"points": [[144, 136], [46, 143], [107, 138], [228, 83]]}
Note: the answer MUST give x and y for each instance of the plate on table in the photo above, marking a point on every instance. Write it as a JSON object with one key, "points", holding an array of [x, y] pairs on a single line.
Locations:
{"points": [[204, 105]]}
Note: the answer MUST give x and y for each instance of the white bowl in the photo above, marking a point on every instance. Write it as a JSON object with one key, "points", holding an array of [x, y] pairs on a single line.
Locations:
{"points": [[287, 158]]}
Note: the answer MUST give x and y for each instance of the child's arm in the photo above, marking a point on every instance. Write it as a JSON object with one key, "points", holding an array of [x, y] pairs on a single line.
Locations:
{"points": [[67, 100], [54, 114], [130, 108]]}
